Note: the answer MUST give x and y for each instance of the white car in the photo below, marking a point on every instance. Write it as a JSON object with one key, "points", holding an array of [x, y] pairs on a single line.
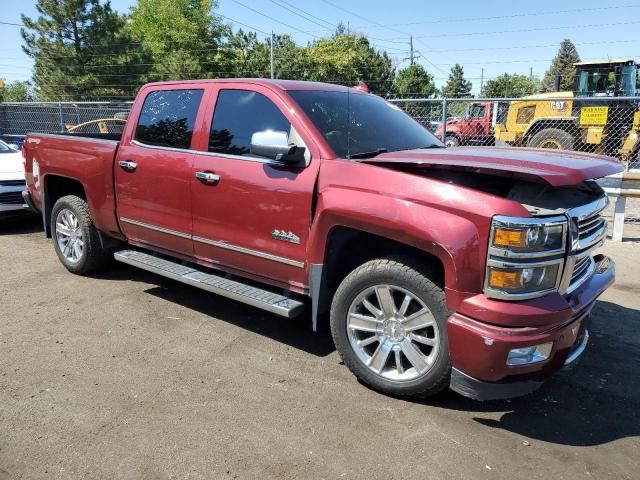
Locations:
{"points": [[12, 182]]}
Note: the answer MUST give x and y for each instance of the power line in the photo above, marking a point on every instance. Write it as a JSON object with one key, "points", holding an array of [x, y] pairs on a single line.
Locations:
{"points": [[275, 20], [503, 17], [244, 24], [541, 29], [301, 15]]}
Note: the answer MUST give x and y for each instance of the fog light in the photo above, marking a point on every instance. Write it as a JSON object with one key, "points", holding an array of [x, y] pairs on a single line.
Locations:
{"points": [[529, 355]]}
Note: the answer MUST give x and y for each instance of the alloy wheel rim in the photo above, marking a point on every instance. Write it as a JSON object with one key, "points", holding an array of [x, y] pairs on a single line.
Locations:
{"points": [[393, 333], [69, 236]]}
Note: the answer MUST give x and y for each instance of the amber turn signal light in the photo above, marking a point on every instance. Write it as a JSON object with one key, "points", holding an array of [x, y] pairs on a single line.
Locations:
{"points": [[505, 237], [505, 279]]}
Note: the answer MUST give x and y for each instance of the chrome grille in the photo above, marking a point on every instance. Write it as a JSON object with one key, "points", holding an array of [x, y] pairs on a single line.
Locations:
{"points": [[11, 198], [580, 269], [588, 232], [591, 229]]}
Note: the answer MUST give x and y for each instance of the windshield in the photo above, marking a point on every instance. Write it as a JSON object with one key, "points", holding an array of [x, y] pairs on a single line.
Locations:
{"points": [[607, 80], [4, 148], [356, 124]]}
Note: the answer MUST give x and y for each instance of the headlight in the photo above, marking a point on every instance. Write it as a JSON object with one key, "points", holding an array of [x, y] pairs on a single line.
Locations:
{"points": [[525, 257], [535, 238], [523, 279]]}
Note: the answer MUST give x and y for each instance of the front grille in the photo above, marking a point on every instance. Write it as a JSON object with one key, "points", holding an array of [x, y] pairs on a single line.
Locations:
{"points": [[591, 229], [580, 269], [588, 233], [11, 198]]}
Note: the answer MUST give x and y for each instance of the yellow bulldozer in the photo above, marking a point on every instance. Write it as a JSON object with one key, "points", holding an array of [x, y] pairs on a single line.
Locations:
{"points": [[581, 119]]}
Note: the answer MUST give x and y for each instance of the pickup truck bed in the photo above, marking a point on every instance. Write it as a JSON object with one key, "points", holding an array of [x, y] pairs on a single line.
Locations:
{"points": [[91, 154]]}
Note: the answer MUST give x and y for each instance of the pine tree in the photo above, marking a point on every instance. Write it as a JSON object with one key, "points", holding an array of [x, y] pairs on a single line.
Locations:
{"points": [[562, 64], [77, 47], [457, 86]]}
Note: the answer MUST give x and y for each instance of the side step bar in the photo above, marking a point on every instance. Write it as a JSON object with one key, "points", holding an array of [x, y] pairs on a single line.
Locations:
{"points": [[257, 297]]}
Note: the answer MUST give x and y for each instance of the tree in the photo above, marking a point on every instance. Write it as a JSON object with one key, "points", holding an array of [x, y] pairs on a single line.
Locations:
{"points": [[562, 64], [182, 38], [16, 92], [347, 58], [457, 86], [513, 86], [77, 46], [414, 80]]}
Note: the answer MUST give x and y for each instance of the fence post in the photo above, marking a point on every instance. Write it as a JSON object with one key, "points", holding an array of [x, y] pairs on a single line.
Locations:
{"points": [[61, 117], [444, 119]]}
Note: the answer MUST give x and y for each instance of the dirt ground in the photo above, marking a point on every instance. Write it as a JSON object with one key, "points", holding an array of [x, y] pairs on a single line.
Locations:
{"points": [[129, 375]]}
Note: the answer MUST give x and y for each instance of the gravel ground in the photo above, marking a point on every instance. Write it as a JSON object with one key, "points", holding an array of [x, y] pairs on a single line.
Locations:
{"points": [[128, 375]]}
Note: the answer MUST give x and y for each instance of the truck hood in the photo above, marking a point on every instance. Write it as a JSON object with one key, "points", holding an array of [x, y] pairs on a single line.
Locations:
{"points": [[557, 168]]}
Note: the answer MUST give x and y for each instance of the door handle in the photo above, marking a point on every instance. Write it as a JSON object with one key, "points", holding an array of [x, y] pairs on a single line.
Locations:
{"points": [[208, 177], [128, 165]]}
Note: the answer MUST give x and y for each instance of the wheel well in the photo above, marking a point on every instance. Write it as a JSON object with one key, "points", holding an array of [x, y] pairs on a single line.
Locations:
{"points": [[348, 248], [567, 125], [56, 187]]}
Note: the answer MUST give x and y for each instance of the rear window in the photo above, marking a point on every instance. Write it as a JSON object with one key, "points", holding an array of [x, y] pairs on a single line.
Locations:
{"points": [[167, 118]]}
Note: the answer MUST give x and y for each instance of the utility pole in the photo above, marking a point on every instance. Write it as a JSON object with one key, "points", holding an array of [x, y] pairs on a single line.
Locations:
{"points": [[273, 59], [411, 48], [481, 80], [530, 73]]}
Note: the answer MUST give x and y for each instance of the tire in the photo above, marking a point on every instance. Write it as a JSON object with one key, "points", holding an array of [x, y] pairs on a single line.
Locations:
{"points": [[375, 362], [451, 141], [552, 138], [71, 224]]}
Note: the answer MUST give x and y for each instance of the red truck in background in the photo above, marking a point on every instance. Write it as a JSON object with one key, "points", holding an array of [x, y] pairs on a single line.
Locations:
{"points": [[469, 268], [476, 127]]}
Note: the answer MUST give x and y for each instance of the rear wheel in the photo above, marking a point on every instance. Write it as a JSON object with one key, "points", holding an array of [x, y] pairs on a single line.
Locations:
{"points": [[552, 138], [75, 237], [451, 141], [388, 321]]}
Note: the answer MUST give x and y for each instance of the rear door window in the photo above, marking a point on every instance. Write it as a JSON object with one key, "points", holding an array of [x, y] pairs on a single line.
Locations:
{"points": [[238, 115], [167, 118]]}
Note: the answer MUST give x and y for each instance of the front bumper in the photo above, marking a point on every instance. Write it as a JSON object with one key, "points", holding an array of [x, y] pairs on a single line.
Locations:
{"points": [[479, 350], [11, 198]]}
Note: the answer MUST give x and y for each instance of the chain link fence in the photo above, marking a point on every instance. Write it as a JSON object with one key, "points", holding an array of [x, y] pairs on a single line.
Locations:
{"points": [[605, 125], [18, 119]]}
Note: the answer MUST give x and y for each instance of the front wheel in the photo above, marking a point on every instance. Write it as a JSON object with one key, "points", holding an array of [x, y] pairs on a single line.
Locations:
{"points": [[388, 321], [75, 237]]}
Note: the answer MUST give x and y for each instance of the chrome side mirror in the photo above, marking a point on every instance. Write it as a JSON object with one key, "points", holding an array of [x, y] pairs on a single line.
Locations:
{"points": [[275, 145]]}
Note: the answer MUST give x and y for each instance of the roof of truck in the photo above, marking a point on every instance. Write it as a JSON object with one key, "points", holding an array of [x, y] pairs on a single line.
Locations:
{"points": [[281, 84], [615, 61]]}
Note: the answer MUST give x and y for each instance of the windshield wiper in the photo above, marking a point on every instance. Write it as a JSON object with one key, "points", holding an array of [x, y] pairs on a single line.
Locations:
{"points": [[370, 154]]}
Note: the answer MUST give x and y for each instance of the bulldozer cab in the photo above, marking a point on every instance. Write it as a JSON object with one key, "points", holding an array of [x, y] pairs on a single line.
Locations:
{"points": [[615, 78]]}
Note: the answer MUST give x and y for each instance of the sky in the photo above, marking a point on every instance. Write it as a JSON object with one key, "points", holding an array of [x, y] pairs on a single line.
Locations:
{"points": [[498, 36]]}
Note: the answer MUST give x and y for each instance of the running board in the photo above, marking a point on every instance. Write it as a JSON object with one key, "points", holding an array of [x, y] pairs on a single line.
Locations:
{"points": [[256, 297]]}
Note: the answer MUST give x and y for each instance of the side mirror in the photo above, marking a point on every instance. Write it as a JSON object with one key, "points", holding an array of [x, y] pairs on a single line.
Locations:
{"points": [[275, 145]]}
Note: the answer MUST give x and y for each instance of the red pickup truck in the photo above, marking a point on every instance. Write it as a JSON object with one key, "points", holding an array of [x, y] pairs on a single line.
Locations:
{"points": [[467, 268], [476, 127]]}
